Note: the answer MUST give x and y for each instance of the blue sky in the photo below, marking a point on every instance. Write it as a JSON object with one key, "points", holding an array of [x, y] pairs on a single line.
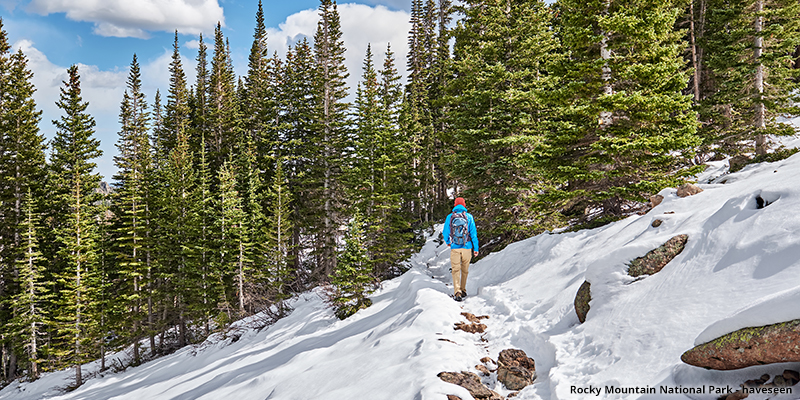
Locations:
{"points": [[101, 36]]}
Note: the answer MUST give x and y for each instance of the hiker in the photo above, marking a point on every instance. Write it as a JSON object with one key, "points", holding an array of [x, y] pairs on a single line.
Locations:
{"points": [[461, 236]]}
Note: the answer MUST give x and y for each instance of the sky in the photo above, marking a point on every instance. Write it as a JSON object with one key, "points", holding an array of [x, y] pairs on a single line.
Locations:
{"points": [[101, 37]]}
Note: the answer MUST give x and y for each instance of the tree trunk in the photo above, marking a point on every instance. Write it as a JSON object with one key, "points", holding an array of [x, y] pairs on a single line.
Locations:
{"points": [[758, 43], [605, 54]]}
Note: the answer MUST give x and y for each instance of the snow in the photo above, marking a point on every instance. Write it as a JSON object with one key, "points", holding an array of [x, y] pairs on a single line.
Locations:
{"points": [[739, 269]]}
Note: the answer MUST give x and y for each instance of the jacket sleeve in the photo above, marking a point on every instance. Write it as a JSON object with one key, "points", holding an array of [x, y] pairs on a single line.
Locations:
{"points": [[446, 229], [473, 233]]}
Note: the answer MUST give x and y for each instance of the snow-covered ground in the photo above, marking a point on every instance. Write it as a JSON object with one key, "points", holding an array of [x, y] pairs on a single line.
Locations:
{"points": [[740, 267]]}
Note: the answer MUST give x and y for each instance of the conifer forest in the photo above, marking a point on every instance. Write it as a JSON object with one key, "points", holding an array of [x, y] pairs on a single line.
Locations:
{"points": [[237, 191]]}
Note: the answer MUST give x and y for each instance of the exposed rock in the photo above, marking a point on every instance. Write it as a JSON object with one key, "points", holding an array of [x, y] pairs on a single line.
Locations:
{"points": [[737, 395], [657, 223], [473, 318], [513, 394], [515, 369], [656, 259], [793, 377], [475, 326], [779, 381], [656, 200], [746, 347], [482, 369], [469, 381], [582, 300], [688, 189], [487, 360], [471, 328], [736, 163], [453, 397]]}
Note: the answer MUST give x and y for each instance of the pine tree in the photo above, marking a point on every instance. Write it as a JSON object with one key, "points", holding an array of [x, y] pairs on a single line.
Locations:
{"points": [[352, 281], [331, 119], [199, 102], [223, 114], [73, 185], [203, 233], [29, 304], [626, 120], [749, 46], [277, 247], [130, 206], [232, 243]]}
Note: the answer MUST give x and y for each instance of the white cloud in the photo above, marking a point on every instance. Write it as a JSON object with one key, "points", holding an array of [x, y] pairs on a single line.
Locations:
{"points": [[134, 18], [361, 25]]}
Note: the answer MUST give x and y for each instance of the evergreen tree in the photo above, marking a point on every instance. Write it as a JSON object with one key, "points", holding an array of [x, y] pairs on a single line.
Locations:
{"points": [[199, 104], [223, 114], [204, 243], [251, 187], [277, 248], [625, 117], [29, 304], [332, 135], [73, 185], [352, 281], [498, 108], [130, 205], [232, 242], [749, 46]]}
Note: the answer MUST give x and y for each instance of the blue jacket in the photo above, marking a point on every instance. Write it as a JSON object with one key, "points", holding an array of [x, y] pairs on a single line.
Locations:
{"points": [[473, 232]]}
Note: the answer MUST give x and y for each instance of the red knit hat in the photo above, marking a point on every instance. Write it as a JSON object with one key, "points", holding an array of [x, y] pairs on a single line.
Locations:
{"points": [[460, 200]]}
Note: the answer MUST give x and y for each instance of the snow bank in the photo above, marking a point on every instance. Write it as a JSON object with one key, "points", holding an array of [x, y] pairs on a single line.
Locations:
{"points": [[740, 268]]}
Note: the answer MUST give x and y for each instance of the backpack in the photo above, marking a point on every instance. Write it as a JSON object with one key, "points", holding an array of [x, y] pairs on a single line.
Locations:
{"points": [[459, 228]]}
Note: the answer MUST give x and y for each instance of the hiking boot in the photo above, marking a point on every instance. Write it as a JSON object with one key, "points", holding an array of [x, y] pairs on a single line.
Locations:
{"points": [[458, 297], [463, 294]]}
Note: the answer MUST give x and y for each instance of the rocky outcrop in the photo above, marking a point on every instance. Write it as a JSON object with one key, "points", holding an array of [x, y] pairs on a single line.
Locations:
{"points": [[656, 223], [656, 259], [475, 325], [736, 163], [471, 382], [515, 369], [746, 347], [655, 200], [688, 189], [582, 300]]}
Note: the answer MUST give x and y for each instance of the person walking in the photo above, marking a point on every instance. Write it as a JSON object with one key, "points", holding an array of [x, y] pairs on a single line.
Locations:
{"points": [[461, 236]]}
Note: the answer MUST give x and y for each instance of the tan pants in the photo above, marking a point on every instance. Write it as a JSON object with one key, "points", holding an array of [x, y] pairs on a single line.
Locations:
{"points": [[459, 261]]}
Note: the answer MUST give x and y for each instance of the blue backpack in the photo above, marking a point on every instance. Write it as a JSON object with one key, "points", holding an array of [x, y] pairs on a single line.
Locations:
{"points": [[459, 228]]}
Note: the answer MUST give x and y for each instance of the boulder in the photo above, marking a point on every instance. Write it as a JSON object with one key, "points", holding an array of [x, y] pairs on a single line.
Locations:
{"points": [[655, 260], [483, 370], [468, 381], [777, 343], [515, 369], [688, 189], [656, 200], [453, 397], [736, 163], [582, 300], [656, 223]]}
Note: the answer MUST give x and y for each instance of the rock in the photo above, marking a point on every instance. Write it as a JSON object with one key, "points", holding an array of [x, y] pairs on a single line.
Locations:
{"points": [[656, 200], [737, 395], [777, 343], [513, 394], [791, 376], [487, 360], [473, 318], [471, 328], [468, 381], [736, 163], [779, 381], [688, 189], [453, 397], [482, 369], [515, 369], [656, 259], [657, 223], [582, 300], [764, 378]]}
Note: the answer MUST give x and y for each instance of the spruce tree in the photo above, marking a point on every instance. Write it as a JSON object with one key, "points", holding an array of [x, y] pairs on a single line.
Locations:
{"points": [[223, 113], [30, 303], [352, 281], [332, 135], [73, 212], [626, 121], [749, 46], [232, 242], [277, 247]]}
